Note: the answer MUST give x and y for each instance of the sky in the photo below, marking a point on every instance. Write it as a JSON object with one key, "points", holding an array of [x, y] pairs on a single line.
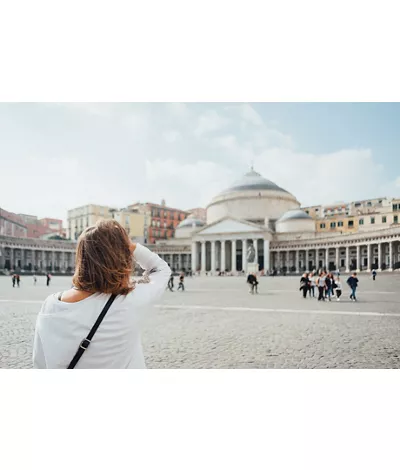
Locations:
{"points": [[57, 156]]}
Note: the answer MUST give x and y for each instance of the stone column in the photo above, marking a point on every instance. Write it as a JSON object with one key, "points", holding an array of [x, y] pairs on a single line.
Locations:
{"points": [[203, 257], [33, 260], [347, 259], [234, 268], [11, 258], [266, 257], [337, 262], [256, 250], [222, 255], [327, 258], [22, 258], [358, 258], [213, 266], [53, 260], [390, 267], [244, 255], [316, 259], [369, 249], [306, 259], [380, 256], [62, 267], [297, 259], [44, 260], [194, 257]]}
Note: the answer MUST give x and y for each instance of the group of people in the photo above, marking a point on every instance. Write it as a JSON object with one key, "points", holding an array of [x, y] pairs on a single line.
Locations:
{"points": [[181, 285], [16, 279], [327, 285]]}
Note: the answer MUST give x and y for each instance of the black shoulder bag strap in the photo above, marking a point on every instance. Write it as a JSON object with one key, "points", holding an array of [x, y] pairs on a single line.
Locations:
{"points": [[86, 342]]}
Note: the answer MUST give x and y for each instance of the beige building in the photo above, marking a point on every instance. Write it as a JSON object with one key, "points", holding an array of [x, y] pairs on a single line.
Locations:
{"points": [[357, 216], [82, 217], [133, 221], [85, 216], [255, 212]]}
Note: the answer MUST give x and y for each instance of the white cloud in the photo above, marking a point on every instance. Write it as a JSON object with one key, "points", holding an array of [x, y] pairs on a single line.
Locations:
{"points": [[172, 136], [194, 183], [210, 121], [118, 153], [247, 113], [323, 178]]}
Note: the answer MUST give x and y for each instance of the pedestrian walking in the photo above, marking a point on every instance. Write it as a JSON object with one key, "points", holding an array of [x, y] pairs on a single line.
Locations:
{"points": [[96, 323], [338, 288], [181, 279], [328, 287], [304, 284], [352, 281], [48, 278], [34, 279], [18, 279], [321, 283], [373, 275], [252, 281], [14, 278], [170, 285], [312, 284]]}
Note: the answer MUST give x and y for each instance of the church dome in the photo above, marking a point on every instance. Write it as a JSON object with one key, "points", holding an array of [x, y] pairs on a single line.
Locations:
{"points": [[188, 226], [190, 222], [252, 181], [294, 214], [252, 198], [295, 220]]}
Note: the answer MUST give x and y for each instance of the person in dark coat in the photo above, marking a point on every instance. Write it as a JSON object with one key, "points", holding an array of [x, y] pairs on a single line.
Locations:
{"points": [[352, 281], [304, 284], [181, 279], [171, 283], [252, 280]]}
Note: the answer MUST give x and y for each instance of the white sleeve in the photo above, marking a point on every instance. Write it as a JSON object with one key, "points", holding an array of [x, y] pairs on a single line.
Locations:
{"points": [[158, 271], [39, 361]]}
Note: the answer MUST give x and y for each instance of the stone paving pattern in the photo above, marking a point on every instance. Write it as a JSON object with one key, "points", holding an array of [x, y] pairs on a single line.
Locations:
{"points": [[216, 326]]}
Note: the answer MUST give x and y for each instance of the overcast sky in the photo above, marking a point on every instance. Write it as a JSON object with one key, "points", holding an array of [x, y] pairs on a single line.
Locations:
{"points": [[55, 157]]}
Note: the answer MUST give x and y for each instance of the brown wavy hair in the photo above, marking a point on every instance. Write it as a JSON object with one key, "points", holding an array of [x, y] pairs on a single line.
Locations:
{"points": [[104, 259]]}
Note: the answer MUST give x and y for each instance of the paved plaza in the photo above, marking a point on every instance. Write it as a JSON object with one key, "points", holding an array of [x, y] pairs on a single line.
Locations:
{"points": [[216, 323]]}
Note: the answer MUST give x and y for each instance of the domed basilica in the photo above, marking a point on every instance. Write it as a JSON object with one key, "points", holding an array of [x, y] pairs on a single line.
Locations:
{"points": [[257, 213]]}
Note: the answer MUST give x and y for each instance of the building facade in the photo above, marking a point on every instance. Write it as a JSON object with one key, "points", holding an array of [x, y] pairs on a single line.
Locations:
{"points": [[255, 211], [133, 221], [12, 225], [160, 220], [83, 217], [252, 211], [34, 255], [366, 215], [198, 213]]}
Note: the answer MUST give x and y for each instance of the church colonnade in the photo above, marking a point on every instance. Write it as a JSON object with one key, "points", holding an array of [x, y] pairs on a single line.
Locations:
{"points": [[34, 259]]}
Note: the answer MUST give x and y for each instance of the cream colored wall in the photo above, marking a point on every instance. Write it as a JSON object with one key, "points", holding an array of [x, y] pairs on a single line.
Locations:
{"points": [[296, 225], [86, 216], [132, 222], [337, 218]]}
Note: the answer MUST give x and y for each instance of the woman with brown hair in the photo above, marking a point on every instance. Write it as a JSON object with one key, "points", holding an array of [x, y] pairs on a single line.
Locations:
{"points": [[103, 309]]}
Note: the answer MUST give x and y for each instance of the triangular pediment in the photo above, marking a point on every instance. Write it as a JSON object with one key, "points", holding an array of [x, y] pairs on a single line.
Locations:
{"points": [[230, 225]]}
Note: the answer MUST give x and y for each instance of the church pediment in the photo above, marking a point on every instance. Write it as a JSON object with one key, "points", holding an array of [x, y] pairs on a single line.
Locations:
{"points": [[230, 225]]}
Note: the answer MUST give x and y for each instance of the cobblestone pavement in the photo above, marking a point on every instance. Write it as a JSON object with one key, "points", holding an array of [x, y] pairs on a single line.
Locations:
{"points": [[216, 323]]}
